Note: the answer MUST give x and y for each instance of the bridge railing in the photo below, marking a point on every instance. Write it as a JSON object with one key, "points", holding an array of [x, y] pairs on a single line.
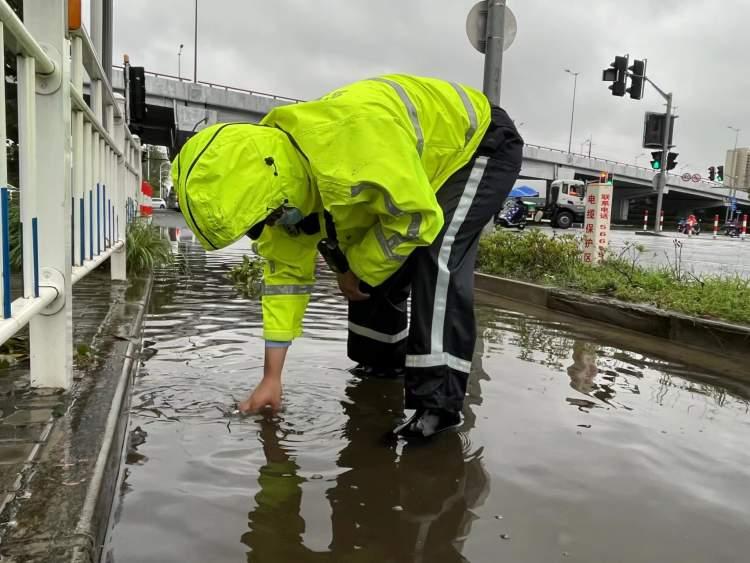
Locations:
{"points": [[673, 176], [79, 180], [218, 86]]}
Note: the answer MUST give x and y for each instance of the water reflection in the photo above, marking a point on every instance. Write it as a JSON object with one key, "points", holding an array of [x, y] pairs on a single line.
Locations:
{"points": [[392, 502], [563, 422]]}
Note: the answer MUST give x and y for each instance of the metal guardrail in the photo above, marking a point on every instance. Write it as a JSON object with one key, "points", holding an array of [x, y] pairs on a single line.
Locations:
{"points": [[79, 181], [618, 163], [219, 86]]}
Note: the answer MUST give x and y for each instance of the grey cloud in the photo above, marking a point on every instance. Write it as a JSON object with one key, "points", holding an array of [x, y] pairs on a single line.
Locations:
{"points": [[301, 49]]}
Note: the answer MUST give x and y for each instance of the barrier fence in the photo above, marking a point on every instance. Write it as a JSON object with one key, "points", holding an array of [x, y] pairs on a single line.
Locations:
{"points": [[79, 178]]}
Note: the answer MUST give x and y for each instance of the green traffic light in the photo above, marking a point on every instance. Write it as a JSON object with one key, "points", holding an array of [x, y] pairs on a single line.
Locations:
{"points": [[655, 164]]}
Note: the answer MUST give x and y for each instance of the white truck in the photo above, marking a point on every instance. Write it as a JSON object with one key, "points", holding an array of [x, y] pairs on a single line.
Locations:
{"points": [[566, 203]]}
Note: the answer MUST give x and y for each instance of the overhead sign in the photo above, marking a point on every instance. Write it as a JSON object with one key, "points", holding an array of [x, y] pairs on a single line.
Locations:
{"points": [[476, 27]]}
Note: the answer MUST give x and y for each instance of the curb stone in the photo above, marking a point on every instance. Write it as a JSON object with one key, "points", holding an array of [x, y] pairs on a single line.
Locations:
{"points": [[716, 337]]}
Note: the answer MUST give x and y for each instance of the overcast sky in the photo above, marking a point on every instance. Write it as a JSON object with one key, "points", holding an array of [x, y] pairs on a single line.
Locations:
{"points": [[698, 49]]}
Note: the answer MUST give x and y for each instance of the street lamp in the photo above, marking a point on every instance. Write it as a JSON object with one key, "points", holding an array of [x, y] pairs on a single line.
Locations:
{"points": [[179, 66], [195, 45], [573, 109]]}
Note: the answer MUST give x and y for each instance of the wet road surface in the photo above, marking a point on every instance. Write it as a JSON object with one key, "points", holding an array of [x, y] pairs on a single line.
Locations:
{"points": [[700, 254], [576, 446]]}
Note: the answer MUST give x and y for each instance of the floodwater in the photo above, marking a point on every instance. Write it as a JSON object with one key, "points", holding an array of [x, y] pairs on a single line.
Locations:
{"points": [[576, 446]]}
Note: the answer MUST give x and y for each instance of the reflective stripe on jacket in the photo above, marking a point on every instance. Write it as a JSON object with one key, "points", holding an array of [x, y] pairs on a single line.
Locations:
{"points": [[378, 150]]}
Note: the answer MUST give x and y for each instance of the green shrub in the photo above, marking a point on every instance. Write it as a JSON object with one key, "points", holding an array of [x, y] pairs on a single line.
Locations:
{"points": [[556, 261], [529, 255], [247, 276], [146, 248]]}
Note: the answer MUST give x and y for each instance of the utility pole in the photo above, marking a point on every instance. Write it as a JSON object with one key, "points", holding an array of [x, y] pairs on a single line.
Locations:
{"points": [[573, 109], [664, 158], [195, 45], [493, 59]]}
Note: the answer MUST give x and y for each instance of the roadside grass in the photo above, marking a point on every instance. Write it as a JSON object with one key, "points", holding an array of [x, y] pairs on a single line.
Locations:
{"points": [[556, 261]]}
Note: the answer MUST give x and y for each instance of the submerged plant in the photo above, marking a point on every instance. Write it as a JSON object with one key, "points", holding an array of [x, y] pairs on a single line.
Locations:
{"points": [[146, 248], [247, 276]]}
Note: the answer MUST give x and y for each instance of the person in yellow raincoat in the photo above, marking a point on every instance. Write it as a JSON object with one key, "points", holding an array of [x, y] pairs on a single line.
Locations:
{"points": [[391, 180]]}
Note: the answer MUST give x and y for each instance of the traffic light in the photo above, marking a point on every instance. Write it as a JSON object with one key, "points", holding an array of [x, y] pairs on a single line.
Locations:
{"points": [[137, 79], [671, 160], [656, 160], [712, 173], [720, 173], [637, 79], [617, 74]]}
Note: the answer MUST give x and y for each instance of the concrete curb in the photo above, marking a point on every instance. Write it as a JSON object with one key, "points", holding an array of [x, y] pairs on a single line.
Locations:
{"points": [[717, 337], [69, 490], [100, 494]]}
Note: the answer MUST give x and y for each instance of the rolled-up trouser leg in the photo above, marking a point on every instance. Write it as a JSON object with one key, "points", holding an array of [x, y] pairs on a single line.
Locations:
{"points": [[378, 326], [442, 332]]}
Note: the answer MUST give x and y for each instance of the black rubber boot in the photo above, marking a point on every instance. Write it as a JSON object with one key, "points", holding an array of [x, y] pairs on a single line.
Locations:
{"points": [[428, 422]]}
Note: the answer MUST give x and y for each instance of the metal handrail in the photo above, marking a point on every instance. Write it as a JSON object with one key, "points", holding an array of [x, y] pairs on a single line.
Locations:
{"points": [[26, 43], [80, 104], [95, 70], [222, 86]]}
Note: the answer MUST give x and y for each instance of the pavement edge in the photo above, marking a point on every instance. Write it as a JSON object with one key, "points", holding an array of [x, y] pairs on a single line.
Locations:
{"points": [[701, 334], [100, 495]]}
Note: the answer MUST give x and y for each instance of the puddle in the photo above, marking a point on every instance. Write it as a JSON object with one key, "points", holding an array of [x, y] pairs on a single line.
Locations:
{"points": [[573, 449]]}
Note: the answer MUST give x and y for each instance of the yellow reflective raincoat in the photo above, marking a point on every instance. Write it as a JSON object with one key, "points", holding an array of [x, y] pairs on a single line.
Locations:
{"points": [[373, 154]]}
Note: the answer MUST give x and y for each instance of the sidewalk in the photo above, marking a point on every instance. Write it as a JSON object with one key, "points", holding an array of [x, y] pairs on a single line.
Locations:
{"points": [[50, 442]]}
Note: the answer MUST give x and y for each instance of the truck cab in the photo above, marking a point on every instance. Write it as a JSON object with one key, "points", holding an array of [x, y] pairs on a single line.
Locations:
{"points": [[566, 203]]}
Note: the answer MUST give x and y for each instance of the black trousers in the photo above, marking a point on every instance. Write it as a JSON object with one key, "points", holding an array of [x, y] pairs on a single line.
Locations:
{"points": [[436, 346]]}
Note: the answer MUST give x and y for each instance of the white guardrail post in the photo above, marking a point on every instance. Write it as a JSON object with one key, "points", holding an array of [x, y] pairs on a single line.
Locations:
{"points": [[117, 264], [51, 332], [79, 180]]}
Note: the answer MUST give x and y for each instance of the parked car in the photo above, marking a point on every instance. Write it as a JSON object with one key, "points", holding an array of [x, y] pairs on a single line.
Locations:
{"points": [[158, 203]]}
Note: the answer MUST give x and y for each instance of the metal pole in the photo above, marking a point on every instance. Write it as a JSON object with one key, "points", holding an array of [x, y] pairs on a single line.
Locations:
{"points": [[179, 62], [573, 108], [664, 157], [195, 45], [493, 58], [97, 20], [591, 140]]}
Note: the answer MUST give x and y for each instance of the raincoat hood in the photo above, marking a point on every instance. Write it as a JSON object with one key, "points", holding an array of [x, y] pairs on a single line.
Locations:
{"points": [[230, 177]]}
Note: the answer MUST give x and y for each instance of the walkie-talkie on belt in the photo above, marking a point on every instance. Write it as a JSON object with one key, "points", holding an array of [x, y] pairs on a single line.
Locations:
{"points": [[329, 248]]}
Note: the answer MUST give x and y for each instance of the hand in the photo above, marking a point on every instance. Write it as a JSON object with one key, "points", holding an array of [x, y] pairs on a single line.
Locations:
{"points": [[349, 286], [267, 394]]}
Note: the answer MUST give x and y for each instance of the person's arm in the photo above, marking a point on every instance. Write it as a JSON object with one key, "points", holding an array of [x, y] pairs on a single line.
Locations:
{"points": [[288, 278], [267, 394]]}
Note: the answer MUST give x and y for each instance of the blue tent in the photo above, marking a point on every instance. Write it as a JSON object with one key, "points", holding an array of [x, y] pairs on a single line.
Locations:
{"points": [[523, 191]]}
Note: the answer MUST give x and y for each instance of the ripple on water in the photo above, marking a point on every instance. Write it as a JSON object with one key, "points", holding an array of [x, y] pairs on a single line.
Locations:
{"points": [[579, 444]]}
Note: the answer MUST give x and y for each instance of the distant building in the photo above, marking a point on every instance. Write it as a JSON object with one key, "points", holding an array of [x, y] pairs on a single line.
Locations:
{"points": [[737, 169]]}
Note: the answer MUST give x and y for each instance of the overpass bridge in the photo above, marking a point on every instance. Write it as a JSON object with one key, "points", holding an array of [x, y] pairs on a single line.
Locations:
{"points": [[176, 107]]}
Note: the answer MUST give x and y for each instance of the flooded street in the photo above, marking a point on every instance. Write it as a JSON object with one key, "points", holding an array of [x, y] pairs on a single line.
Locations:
{"points": [[577, 445]]}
